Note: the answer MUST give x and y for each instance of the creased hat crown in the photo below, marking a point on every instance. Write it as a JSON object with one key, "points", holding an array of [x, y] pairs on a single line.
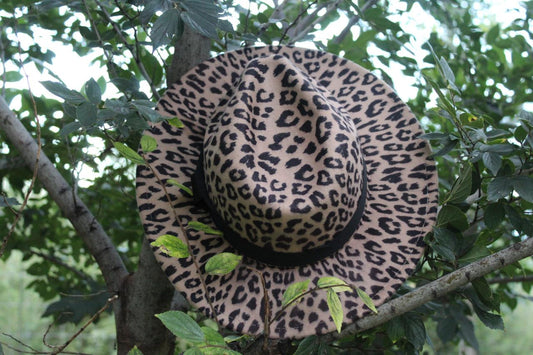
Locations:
{"points": [[283, 167]]}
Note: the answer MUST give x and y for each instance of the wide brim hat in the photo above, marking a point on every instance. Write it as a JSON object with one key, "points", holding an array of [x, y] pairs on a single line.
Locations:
{"points": [[389, 208]]}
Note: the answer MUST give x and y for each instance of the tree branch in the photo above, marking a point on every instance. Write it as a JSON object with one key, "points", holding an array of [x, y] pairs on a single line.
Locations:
{"points": [[353, 21], [438, 288], [97, 241]]}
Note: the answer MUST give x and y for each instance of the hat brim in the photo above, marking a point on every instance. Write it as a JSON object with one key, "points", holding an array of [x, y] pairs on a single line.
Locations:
{"points": [[400, 209]]}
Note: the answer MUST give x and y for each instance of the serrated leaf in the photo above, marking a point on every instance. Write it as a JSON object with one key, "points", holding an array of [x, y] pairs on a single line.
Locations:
{"points": [[165, 27], [172, 246], [415, 331], [484, 292], [395, 329], [92, 89], [212, 337], [294, 291], [477, 252], [183, 326], [148, 113], [86, 114], [176, 122], [335, 308], [524, 186], [222, 264], [201, 16], [128, 153], [134, 351], [184, 188], [308, 346], [366, 299], [492, 161], [328, 281], [63, 92], [499, 187], [447, 329], [434, 136], [461, 187], [493, 215], [453, 216], [148, 144], [199, 226], [491, 320]]}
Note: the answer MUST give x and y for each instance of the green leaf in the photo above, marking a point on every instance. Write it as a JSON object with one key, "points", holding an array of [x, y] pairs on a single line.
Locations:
{"points": [[493, 215], [86, 114], [524, 186], [148, 143], [128, 153], [176, 122], [453, 216], [134, 351], [499, 187], [222, 264], [212, 350], [447, 329], [294, 291], [476, 253], [199, 226], [415, 332], [172, 246], [187, 190], [92, 89], [483, 291], [212, 337], [147, 112], [183, 326], [335, 308], [12, 76], [492, 161], [395, 329], [497, 148], [445, 243], [366, 299], [1, 350], [328, 281], [165, 27], [194, 351], [308, 346], [201, 16], [434, 136], [63, 92], [461, 187], [491, 320], [8, 201]]}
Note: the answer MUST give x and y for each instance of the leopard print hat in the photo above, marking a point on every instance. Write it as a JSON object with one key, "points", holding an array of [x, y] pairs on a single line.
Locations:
{"points": [[309, 164]]}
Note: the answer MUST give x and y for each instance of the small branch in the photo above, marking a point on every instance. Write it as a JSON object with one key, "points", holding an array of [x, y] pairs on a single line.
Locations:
{"points": [[506, 280], [301, 32], [130, 48], [295, 21], [97, 314], [438, 288], [58, 262], [353, 21]]}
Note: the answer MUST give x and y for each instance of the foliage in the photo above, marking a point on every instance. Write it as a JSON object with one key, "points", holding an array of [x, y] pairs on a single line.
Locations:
{"points": [[473, 77]]}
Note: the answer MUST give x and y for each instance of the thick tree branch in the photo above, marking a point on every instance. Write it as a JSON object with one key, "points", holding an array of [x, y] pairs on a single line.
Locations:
{"points": [[97, 241], [353, 21], [439, 288]]}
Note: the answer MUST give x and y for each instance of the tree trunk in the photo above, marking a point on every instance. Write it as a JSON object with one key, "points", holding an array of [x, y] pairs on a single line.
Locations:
{"points": [[148, 291]]}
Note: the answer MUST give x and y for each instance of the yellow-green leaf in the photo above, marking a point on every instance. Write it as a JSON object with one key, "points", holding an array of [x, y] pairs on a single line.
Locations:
{"points": [[335, 308], [366, 299], [181, 186], [176, 122], [128, 153], [148, 144], [172, 246], [294, 291], [329, 281], [199, 226], [134, 351], [222, 263]]}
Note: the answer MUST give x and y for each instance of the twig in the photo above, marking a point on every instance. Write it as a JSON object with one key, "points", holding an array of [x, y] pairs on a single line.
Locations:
{"points": [[295, 21], [91, 320], [353, 21], [36, 159], [56, 261], [131, 49], [505, 280], [301, 31], [185, 233]]}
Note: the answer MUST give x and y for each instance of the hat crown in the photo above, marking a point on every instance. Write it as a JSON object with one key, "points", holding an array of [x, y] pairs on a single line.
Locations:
{"points": [[282, 164]]}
